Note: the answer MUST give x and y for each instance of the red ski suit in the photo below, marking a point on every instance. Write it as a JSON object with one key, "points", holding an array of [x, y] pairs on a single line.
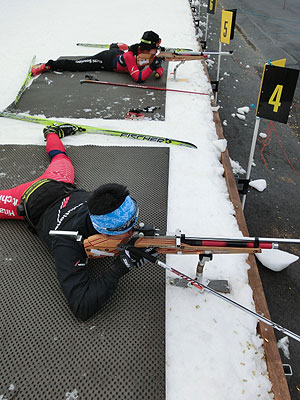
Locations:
{"points": [[60, 169], [127, 63]]}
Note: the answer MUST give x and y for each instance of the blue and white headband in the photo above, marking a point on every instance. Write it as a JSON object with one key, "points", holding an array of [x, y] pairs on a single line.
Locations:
{"points": [[118, 221]]}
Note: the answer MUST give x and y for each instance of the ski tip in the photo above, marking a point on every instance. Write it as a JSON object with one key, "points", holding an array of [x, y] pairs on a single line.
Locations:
{"points": [[190, 145]]}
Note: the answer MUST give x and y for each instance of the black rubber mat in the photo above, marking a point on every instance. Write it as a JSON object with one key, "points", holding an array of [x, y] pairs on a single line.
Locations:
{"points": [[61, 95], [45, 352]]}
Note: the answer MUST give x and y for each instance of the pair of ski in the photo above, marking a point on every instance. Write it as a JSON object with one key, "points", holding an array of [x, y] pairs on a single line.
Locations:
{"points": [[102, 131], [106, 46], [29, 77]]}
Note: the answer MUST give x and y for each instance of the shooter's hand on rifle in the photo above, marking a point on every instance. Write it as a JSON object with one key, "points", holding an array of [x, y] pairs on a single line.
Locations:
{"points": [[159, 72], [132, 257], [156, 63]]}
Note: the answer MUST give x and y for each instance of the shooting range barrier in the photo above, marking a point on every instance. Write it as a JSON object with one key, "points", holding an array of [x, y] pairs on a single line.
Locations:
{"points": [[45, 351]]}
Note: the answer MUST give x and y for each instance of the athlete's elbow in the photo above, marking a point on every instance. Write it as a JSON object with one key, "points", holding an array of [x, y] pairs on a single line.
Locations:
{"points": [[83, 311]]}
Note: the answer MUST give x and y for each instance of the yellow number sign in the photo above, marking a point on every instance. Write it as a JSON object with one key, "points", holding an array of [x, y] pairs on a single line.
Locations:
{"points": [[276, 93], [226, 26], [211, 6]]}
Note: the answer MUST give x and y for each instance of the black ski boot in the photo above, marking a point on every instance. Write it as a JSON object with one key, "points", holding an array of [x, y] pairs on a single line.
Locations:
{"points": [[62, 130]]}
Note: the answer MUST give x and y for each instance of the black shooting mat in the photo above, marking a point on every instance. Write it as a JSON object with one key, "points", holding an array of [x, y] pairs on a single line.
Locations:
{"points": [[45, 352], [60, 95]]}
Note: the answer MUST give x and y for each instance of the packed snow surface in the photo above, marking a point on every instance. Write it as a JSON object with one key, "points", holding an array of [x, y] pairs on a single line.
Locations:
{"points": [[209, 344]]}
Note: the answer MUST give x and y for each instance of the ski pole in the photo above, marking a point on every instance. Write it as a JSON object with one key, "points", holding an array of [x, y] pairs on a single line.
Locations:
{"points": [[202, 287], [140, 86]]}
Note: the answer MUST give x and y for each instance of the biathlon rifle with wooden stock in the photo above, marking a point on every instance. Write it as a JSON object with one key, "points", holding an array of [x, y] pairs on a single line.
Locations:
{"points": [[167, 56], [145, 236]]}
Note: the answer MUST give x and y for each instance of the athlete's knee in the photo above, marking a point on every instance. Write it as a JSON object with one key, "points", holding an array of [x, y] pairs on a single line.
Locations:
{"points": [[54, 153]]}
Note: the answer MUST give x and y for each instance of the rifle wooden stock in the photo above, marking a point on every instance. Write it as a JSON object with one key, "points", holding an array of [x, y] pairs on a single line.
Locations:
{"points": [[102, 245], [144, 59]]}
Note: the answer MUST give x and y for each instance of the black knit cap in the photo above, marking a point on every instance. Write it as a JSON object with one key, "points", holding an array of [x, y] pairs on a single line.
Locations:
{"points": [[149, 40], [107, 198]]}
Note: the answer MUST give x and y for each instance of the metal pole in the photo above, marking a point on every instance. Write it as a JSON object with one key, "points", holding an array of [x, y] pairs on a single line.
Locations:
{"points": [[218, 70], [202, 287], [254, 314], [206, 29], [254, 139], [199, 9]]}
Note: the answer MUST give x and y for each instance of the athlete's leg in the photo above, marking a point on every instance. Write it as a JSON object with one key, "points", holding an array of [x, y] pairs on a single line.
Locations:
{"points": [[60, 169], [92, 63], [10, 199]]}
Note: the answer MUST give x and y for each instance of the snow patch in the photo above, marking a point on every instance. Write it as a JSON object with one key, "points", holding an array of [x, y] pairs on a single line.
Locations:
{"points": [[236, 167], [220, 145], [72, 395], [283, 344], [259, 184], [241, 116], [243, 110], [276, 260]]}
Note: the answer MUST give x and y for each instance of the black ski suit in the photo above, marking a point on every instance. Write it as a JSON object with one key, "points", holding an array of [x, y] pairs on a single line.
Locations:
{"points": [[101, 61], [70, 213]]}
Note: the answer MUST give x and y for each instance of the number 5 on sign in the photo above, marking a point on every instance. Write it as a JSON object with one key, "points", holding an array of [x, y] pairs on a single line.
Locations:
{"points": [[227, 26]]}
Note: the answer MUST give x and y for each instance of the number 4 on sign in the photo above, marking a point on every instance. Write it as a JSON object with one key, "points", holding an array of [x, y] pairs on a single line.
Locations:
{"points": [[276, 95], [275, 98]]}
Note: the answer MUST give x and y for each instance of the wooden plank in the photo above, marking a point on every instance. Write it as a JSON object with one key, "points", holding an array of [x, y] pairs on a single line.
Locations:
{"points": [[273, 360]]}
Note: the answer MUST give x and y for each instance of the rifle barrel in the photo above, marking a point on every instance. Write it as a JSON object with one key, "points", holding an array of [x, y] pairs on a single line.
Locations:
{"points": [[244, 239]]}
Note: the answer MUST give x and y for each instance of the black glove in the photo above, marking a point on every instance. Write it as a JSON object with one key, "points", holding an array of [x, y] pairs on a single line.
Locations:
{"points": [[156, 63], [131, 259]]}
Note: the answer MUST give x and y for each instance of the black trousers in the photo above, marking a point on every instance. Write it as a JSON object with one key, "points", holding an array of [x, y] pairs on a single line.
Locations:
{"points": [[101, 61]]}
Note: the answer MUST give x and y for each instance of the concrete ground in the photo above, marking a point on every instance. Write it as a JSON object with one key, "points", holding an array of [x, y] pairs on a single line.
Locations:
{"points": [[265, 30]]}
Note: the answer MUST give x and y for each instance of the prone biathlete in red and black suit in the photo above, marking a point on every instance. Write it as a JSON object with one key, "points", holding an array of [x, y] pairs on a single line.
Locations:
{"points": [[114, 59], [53, 203]]}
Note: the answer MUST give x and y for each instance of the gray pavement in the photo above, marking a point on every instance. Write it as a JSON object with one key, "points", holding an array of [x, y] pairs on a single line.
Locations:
{"points": [[267, 29]]}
